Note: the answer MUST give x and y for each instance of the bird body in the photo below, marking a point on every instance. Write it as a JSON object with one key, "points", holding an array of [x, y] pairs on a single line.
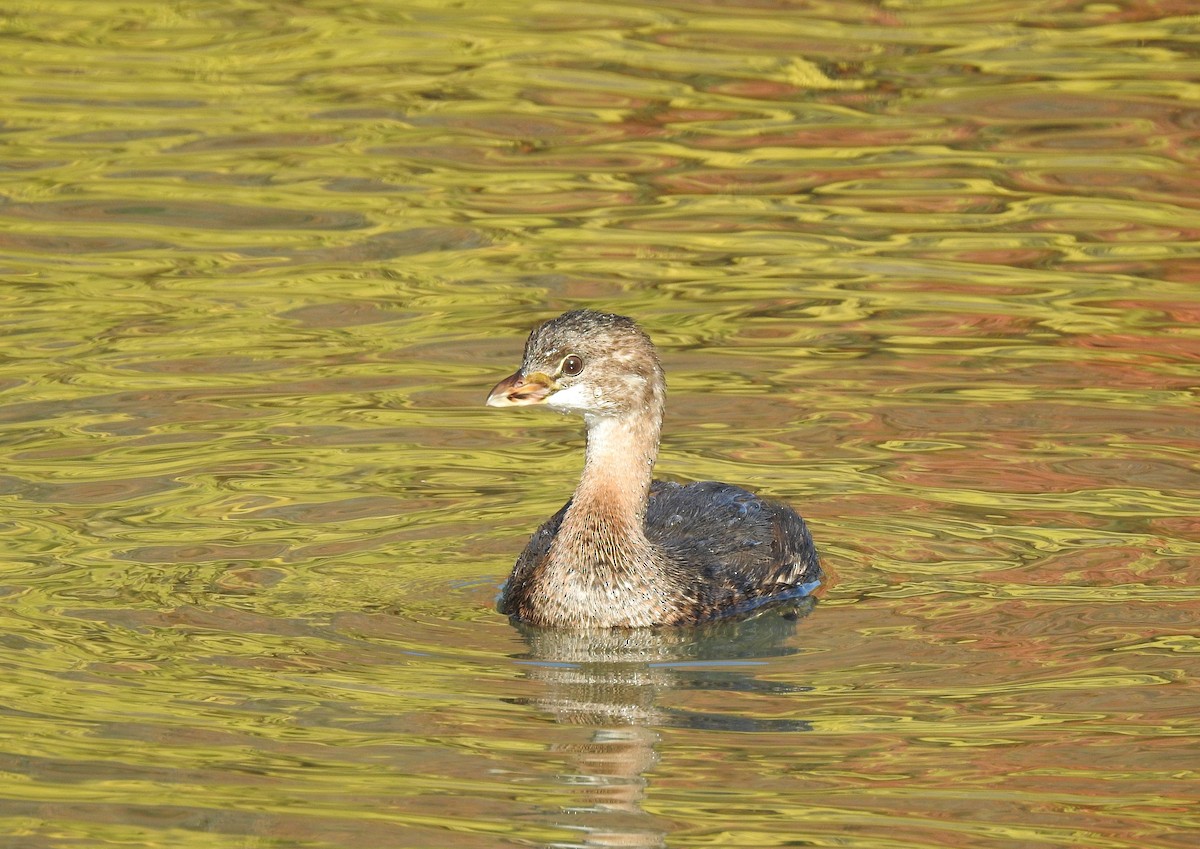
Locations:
{"points": [[625, 550]]}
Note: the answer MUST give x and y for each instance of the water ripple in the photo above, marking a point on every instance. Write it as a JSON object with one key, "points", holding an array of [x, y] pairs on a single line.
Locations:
{"points": [[926, 271]]}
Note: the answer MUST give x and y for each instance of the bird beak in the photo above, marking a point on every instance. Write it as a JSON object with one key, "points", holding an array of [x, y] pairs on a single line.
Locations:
{"points": [[520, 390]]}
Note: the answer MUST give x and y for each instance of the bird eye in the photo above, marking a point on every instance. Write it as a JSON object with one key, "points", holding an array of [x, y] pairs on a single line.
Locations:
{"points": [[572, 365]]}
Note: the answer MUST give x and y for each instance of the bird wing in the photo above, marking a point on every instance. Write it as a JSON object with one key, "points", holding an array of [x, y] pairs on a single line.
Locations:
{"points": [[751, 546]]}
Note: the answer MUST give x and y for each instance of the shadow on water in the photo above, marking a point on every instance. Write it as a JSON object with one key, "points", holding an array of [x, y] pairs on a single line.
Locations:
{"points": [[615, 682]]}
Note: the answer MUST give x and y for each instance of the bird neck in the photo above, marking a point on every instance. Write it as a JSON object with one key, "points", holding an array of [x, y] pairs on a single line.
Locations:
{"points": [[619, 466], [602, 570]]}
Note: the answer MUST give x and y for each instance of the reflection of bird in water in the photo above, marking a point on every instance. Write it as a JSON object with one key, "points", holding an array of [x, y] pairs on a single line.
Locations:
{"points": [[616, 677], [614, 680], [627, 551]]}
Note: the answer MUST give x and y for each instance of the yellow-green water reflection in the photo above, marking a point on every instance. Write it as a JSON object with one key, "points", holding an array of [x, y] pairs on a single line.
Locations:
{"points": [[926, 270]]}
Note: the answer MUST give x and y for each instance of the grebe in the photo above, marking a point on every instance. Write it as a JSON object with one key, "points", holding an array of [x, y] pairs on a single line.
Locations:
{"points": [[626, 550]]}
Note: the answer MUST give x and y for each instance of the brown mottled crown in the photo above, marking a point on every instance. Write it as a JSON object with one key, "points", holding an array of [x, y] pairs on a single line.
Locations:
{"points": [[620, 371]]}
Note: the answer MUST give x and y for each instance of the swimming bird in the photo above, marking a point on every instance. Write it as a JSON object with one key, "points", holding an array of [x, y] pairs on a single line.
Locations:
{"points": [[627, 551]]}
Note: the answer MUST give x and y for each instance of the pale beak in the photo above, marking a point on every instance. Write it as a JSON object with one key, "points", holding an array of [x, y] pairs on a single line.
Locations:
{"points": [[519, 390]]}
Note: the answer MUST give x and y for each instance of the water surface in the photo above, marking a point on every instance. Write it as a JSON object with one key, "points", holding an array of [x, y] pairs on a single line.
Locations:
{"points": [[927, 271]]}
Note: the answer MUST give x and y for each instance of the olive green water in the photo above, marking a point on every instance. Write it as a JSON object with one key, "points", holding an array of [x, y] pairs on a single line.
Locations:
{"points": [[926, 270]]}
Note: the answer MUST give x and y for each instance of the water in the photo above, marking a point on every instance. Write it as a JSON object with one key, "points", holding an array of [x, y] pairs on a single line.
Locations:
{"points": [[926, 271]]}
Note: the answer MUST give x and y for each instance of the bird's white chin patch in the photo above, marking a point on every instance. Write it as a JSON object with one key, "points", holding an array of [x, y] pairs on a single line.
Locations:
{"points": [[574, 399]]}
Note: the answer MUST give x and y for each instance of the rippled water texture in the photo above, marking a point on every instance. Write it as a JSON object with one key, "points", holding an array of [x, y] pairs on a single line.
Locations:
{"points": [[926, 270]]}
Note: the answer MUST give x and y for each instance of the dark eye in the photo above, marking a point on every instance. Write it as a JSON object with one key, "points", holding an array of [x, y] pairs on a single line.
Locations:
{"points": [[572, 365]]}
